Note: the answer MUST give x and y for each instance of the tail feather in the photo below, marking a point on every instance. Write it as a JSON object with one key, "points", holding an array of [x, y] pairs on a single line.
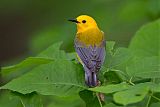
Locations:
{"points": [[90, 78]]}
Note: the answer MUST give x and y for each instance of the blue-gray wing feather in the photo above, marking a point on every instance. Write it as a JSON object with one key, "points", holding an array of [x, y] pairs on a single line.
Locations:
{"points": [[92, 56]]}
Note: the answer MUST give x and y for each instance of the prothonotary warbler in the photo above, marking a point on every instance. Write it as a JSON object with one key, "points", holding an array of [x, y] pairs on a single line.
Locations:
{"points": [[90, 47]]}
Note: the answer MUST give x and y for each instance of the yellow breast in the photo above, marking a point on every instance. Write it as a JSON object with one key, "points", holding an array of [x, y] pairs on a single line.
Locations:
{"points": [[91, 36]]}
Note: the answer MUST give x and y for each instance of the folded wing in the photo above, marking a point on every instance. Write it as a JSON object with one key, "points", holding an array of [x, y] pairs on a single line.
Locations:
{"points": [[92, 58]]}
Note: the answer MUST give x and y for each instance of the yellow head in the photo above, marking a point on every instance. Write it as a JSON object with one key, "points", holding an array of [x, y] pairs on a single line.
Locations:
{"points": [[84, 22]]}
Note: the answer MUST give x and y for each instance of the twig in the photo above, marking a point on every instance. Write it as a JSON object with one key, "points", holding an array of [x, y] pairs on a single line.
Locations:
{"points": [[97, 94]]}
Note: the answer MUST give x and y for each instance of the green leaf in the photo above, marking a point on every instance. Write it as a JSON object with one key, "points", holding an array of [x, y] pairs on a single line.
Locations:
{"points": [[110, 46], [54, 52], [127, 94], [25, 64], [144, 67], [118, 61], [155, 104], [111, 88], [59, 77], [154, 87], [146, 40], [112, 77], [69, 101], [51, 53], [71, 56], [31, 100], [120, 56], [8, 100], [133, 95], [111, 105], [90, 98]]}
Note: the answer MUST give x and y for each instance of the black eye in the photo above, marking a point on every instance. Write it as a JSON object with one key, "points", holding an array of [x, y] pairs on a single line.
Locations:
{"points": [[84, 21]]}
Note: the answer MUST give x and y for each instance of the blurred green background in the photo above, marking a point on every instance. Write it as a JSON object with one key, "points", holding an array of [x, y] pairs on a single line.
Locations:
{"points": [[29, 26]]}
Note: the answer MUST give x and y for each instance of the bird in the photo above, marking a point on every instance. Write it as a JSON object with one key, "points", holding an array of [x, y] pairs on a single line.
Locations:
{"points": [[89, 44]]}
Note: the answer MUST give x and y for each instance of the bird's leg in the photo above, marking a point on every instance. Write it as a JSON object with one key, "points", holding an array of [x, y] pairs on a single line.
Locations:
{"points": [[100, 95]]}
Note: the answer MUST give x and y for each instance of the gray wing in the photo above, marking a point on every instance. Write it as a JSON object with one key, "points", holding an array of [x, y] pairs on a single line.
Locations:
{"points": [[92, 56]]}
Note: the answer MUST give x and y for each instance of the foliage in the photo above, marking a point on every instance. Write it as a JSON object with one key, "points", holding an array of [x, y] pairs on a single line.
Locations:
{"points": [[133, 74]]}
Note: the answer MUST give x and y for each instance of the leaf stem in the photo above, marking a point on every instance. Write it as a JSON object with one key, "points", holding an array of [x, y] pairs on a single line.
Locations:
{"points": [[99, 100], [22, 103], [149, 99], [115, 70], [155, 97], [130, 81], [151, 95]]}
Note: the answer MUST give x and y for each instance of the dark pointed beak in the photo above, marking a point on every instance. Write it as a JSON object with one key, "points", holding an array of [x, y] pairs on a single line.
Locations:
{"points": [[73, 20]]}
